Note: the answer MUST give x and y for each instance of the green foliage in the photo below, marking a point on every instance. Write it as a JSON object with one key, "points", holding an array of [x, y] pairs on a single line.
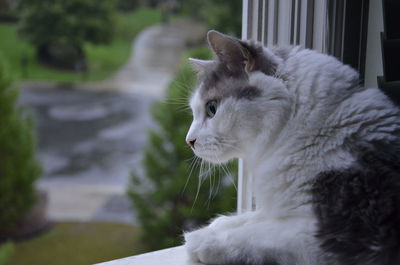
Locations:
{"points": [[6, 251], [18, 167], [168, 199], [58, 29], [72, 21], [127, 5], [7, 10], [222, 15], [78, 244], [102, 60], [130, 24]]}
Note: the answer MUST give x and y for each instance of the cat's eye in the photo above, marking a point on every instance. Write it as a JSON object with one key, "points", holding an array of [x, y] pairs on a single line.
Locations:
{"points": [[211, 108]]}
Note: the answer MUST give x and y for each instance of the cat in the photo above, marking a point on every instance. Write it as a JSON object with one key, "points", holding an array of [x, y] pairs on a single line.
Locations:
{"points": [[323, 150]]}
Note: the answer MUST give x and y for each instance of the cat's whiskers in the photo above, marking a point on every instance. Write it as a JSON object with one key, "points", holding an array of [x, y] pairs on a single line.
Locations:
{"points": [[199, 183], [210, 177], [183, 86], [202, 176], [194, 162], [189, 160], [181, 103], [226, 171], [176, 101], [184, 109], [208, 170], [169, 102], [219, 182], [234, 147]]}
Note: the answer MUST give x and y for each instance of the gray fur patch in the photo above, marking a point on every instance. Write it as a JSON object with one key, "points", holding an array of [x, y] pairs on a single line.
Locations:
{"points": [[220, 72], [248, 92], [283, 52], [219, 82], [261, 63]]}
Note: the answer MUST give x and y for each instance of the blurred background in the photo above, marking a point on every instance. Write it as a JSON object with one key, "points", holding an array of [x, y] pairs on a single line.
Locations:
{"points": [[93, 118]]}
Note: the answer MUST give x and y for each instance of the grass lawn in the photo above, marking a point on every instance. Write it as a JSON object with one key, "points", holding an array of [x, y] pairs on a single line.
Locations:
{"points": [[78, 244], [103, 60]]}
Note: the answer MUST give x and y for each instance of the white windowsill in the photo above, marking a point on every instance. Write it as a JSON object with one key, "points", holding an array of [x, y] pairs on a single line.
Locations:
{"points": [[169, 256]]}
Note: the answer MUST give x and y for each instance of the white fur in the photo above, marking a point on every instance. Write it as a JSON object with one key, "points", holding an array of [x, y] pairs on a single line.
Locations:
{"points": [[199, 65], [305, 122]]}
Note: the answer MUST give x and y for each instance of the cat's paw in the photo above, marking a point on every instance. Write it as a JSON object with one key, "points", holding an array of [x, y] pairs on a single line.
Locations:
{"points": [[205, 246], [226, 222]]}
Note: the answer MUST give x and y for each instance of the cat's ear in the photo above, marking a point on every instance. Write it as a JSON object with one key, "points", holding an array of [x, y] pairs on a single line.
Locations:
{"points": [[199, 66], [230, 51]]}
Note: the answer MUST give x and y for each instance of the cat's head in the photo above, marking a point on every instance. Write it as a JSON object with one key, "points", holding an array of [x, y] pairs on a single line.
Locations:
{"points": [[237, 102]]}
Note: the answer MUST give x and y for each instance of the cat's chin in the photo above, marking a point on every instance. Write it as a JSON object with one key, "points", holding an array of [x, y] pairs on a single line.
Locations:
{"points": [[215, 159]]}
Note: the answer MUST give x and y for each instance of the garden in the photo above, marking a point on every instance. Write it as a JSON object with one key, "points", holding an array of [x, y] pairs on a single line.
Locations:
{"points": [[102, 59], [88, 41]]}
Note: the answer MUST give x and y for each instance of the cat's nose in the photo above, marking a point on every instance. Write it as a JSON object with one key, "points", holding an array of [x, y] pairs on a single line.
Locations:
{"points": [[191, 143]]}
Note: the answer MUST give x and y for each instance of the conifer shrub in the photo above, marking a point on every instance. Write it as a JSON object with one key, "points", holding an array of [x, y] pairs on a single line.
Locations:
{"points": [[18, 167], [177, 192], [6, 251]]}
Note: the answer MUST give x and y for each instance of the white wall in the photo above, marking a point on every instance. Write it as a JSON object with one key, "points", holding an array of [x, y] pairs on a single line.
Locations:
{"points": [[373, 64]]}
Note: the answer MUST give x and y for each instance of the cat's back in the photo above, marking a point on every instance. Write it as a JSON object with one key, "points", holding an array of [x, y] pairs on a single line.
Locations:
{"points": [[327, 96], [321, 69], [344, 139], [358, 208]]}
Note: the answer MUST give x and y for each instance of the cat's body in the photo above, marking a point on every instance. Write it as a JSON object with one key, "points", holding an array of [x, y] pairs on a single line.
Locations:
{"points": [[324, 153]]}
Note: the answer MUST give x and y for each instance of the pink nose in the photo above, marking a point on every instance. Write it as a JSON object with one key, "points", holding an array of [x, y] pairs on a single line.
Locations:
{"points": [[191, 143]]}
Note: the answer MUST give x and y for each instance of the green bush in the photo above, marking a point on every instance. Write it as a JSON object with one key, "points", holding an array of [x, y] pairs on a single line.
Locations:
{"points": [[168, 198], [76, 21], [59, 29], [128, 25], [6, 251], [7, 10], [222, 15], [102, 60], [18, 167]]}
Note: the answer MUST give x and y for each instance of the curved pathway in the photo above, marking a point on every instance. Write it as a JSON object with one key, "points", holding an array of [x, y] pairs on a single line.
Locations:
{"points": [[156, 54], [92, 135]]}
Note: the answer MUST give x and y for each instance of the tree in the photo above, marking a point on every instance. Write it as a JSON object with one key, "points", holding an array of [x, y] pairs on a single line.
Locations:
{"points": [[222, 15], [59, 28], [166, 201], [7, 10], [18, 167]]}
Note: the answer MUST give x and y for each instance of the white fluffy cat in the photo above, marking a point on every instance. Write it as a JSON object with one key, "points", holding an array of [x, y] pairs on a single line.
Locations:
{"points": [[322, 149]]}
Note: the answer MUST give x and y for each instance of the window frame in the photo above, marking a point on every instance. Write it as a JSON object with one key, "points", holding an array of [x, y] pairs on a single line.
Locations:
{"points": [[321, 25]]}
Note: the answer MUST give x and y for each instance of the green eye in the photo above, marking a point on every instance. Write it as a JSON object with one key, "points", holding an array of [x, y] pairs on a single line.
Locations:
{"points": [[211, 108]]}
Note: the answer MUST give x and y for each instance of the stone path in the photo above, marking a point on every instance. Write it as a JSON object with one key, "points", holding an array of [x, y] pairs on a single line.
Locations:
{"points": [[92, 135]]}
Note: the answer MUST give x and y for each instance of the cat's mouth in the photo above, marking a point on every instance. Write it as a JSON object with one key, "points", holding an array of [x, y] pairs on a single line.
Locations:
{"points": [[214, 156]]}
